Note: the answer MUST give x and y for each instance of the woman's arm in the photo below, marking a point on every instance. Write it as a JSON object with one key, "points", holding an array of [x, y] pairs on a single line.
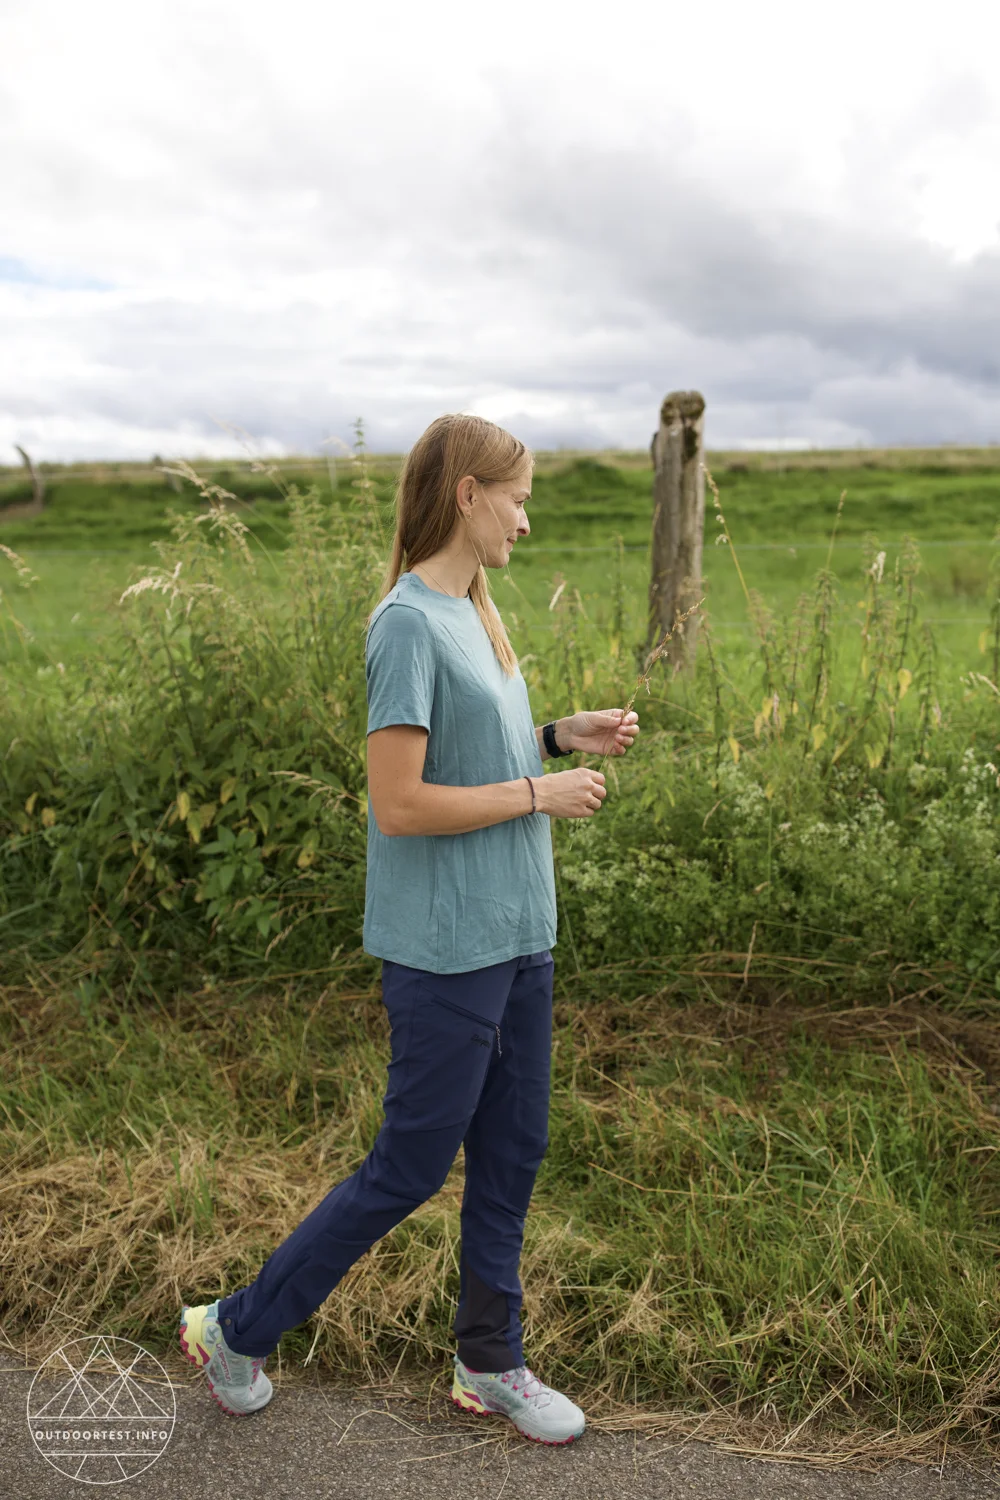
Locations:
{"points": [[404, 803]]}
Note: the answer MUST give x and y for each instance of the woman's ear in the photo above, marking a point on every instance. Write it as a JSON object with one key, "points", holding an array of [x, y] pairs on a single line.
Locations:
{"points": [[469, 495]]}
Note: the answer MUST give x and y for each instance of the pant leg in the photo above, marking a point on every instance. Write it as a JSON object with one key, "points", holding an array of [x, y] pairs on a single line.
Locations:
{"points": [[504, 1146], [442, 1039]]}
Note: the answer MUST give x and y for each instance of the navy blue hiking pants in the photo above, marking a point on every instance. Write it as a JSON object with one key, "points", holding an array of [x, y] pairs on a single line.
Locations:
{"points": [[470, 1064]]}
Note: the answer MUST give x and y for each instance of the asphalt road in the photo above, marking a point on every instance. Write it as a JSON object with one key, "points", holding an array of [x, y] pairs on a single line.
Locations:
{"points": [[323, 1441]]}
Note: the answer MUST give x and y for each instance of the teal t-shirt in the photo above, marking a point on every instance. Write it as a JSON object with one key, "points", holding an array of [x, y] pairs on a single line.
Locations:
{"points": [[450, 902]]}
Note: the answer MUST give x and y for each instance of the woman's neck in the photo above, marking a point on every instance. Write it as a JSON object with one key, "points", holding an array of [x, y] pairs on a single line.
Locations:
{"points": [[446, 573]]}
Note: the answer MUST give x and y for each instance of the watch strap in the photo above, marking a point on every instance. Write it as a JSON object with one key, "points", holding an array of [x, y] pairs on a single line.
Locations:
{"points": [[549, 737]]}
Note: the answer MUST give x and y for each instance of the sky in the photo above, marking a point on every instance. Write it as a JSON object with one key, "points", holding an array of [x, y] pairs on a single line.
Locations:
{"points": [[231, 228]]}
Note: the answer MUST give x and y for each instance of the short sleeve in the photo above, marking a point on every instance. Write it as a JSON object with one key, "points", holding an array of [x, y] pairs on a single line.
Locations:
{"points": [[399, 667]]}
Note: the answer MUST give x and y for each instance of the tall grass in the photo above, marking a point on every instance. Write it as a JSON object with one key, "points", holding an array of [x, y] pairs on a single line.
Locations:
{"points": [[770, 1209], [770, 1226], [826, 793], [202, 782], [193, 793]]}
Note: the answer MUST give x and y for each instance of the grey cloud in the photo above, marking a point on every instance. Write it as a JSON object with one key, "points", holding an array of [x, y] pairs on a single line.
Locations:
{"points": [[671, 244], [601, 277]]}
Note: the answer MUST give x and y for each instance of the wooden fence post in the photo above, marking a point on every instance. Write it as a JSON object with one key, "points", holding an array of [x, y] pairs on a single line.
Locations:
{"points": [[37, 482], [173, 480], [678, 523]]}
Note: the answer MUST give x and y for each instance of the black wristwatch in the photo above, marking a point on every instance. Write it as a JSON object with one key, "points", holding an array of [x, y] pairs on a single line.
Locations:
{"points": [[549, 736]]}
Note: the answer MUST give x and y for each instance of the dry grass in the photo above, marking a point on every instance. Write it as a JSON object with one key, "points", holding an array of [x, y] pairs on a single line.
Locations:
{"points": [[117, 1206]]}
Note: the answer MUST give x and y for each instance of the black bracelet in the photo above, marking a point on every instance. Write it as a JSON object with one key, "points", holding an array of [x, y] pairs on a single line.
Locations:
{"points": [[549, 736]]}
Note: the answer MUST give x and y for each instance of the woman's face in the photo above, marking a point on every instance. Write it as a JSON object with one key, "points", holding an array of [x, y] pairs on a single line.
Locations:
{"points": [[497, 518]]}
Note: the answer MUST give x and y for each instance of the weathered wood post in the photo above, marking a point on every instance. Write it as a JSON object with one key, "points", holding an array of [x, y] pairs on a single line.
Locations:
{"points": [[37, 482], [678, 523], [173, 480]]}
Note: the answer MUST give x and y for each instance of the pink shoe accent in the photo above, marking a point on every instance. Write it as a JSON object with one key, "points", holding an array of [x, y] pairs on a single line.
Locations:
{"points": [[485, 1411]]}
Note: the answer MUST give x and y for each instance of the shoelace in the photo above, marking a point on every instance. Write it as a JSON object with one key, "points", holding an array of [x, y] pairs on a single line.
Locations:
{"points": [[522, 1380]]}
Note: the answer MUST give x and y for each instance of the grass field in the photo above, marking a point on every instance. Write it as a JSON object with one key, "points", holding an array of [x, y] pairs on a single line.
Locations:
{"points": [[100, 525], [770, 1211]]}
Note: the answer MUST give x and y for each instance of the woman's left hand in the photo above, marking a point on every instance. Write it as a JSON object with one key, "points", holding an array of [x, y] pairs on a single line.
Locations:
{"points": [[601, 731]]}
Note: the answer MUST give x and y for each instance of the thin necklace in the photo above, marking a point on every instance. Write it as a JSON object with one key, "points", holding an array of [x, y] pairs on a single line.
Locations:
{"points": [[437, 581]]}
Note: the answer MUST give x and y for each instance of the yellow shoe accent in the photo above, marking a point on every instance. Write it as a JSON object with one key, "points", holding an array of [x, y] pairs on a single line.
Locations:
{"points": [[465, 1398]]}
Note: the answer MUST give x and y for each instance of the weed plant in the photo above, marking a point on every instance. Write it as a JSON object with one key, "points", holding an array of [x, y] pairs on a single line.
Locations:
{"points": [[194, 795], [201, 785]]}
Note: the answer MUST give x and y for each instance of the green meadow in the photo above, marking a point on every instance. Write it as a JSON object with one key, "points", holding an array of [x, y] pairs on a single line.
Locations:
{"points": [[770, 1210], [101, 522]]}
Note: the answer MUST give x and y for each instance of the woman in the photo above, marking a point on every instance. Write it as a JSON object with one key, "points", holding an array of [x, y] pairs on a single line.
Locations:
{"points": [[460, 906]]}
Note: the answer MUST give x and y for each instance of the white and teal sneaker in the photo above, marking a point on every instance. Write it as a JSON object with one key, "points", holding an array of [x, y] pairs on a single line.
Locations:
{"points": [[237, 1381], [537, 1411]]}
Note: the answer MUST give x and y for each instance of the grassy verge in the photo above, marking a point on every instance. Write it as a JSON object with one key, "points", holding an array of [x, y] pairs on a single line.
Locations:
{"points": [[773, 1223], [769, 1211], [191, 792]]}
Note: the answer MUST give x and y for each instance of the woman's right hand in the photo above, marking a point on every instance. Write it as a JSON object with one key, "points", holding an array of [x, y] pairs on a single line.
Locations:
{"points": [[571, 794]]}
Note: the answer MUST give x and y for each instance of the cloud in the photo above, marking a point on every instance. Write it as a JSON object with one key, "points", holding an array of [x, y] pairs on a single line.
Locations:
{"points": [[287, 223]]}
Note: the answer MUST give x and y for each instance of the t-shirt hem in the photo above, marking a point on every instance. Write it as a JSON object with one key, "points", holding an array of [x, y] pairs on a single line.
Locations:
{"points": [[535, 944]]}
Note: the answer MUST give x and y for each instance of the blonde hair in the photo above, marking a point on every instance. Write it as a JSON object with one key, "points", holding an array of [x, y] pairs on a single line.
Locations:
{"points": [[452, 446]]}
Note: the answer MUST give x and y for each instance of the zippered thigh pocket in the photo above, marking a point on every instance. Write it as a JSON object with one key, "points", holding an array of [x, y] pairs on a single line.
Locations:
{"points": [[461, 1011], [448, 1050]]}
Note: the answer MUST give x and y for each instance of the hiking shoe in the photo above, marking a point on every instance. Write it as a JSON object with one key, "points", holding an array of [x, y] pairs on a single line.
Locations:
{"points": [[537, 1411], [237, 1381]]}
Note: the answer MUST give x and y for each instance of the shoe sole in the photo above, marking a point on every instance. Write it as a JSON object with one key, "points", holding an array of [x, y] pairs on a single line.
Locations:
{"points": [[200, 1360], [481, 1410]]}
